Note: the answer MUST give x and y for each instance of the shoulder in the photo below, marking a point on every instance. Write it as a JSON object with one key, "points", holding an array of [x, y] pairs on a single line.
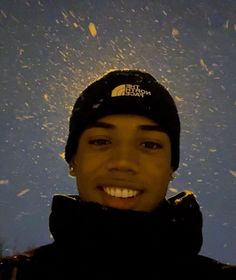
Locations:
{"points": [[9, 266], [24, 263], [214, 267]]}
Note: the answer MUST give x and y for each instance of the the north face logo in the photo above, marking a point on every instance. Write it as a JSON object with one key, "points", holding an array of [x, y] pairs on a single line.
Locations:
{"points": [[129, 90]]}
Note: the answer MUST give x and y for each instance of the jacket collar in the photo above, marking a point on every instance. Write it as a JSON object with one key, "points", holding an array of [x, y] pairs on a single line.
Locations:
{"points": [[175, 226]]}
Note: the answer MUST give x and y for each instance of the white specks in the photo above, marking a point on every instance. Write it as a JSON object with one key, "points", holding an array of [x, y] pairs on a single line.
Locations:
{"points": [[222, 87], [178, 98], [75, 25], [233, 172], [212, 150], [226, 24], [48, 126], [20, 51], [64, 15], [195, 146], [25, 66], [3, 14], [4, 182], [175, 33], [64, 55], [173, 190], [205, 67], [211, 215], [185, 164], [164, 13], [23, 192], [46, 97], [24, 117], [95, 106], [21, 215]]}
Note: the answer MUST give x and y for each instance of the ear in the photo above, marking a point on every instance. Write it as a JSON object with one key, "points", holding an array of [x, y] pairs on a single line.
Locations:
{"points": [[72, 169]]}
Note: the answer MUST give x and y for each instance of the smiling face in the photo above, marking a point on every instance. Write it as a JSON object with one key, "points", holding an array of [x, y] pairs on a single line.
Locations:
{"points": [[123, 161]]}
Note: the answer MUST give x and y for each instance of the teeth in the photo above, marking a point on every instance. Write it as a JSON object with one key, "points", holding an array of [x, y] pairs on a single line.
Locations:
{"points": [[120, 192]]}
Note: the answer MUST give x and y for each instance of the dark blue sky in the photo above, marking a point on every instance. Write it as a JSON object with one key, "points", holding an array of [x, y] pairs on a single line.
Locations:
{"points": [[50, 50]]}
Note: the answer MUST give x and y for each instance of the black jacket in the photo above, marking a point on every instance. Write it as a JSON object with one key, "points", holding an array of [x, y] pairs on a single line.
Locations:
{"points": [[96, 242]]}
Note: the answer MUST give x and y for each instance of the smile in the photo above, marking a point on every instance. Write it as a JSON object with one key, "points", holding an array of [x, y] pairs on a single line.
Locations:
{"points": [[120, 192]]}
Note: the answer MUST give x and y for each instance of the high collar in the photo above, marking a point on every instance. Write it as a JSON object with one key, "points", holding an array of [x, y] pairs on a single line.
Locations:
{"points": [[175, 226]]}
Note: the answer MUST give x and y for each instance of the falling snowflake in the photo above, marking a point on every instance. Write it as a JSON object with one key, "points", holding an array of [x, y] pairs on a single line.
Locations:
{"points": [[92, 29], [23, 192], [4, 182], [233, 172]]}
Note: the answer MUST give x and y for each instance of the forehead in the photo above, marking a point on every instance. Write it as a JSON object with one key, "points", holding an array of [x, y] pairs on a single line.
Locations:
{"points": [[126, 122], [117, 118]]}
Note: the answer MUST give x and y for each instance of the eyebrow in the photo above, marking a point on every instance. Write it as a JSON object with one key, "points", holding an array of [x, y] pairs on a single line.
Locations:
{"points": [[151, 127], [144, 127], [99, 124]]}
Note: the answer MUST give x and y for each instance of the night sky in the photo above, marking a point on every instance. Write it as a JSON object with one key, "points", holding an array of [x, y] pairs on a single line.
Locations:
{"points": [[49, 52]]}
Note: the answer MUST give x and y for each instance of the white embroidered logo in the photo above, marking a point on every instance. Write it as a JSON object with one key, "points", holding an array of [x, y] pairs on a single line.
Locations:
{"points": [[129, 90]]}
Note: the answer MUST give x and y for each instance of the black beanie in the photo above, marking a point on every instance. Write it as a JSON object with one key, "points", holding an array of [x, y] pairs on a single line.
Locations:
{"points": [[125, 92]]}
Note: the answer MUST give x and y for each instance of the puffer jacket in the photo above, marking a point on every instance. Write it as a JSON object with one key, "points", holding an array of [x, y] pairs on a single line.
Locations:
{"points": [[96, 242]]}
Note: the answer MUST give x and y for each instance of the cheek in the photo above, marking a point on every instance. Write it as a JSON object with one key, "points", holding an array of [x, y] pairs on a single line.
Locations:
{"points": [[157, 185], [157, 173], [89, 161], [157, 178], [89, 165]]}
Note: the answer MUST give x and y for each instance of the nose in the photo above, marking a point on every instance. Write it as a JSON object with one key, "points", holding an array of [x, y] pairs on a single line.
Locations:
{"points": [[123, 159]]}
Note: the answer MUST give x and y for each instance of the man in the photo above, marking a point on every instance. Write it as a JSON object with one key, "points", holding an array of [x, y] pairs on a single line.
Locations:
{"points": [[122, 148]]}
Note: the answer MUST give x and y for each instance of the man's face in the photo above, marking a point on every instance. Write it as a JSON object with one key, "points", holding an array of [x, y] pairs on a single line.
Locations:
{"points": [[123, 161]]}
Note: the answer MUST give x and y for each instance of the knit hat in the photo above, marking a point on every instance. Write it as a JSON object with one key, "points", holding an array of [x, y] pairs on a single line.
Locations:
{"points": [[125, 92]]}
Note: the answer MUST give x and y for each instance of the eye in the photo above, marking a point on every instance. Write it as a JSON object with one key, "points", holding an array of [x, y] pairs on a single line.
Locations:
{"points": [[99, 142], [150, 145]]}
